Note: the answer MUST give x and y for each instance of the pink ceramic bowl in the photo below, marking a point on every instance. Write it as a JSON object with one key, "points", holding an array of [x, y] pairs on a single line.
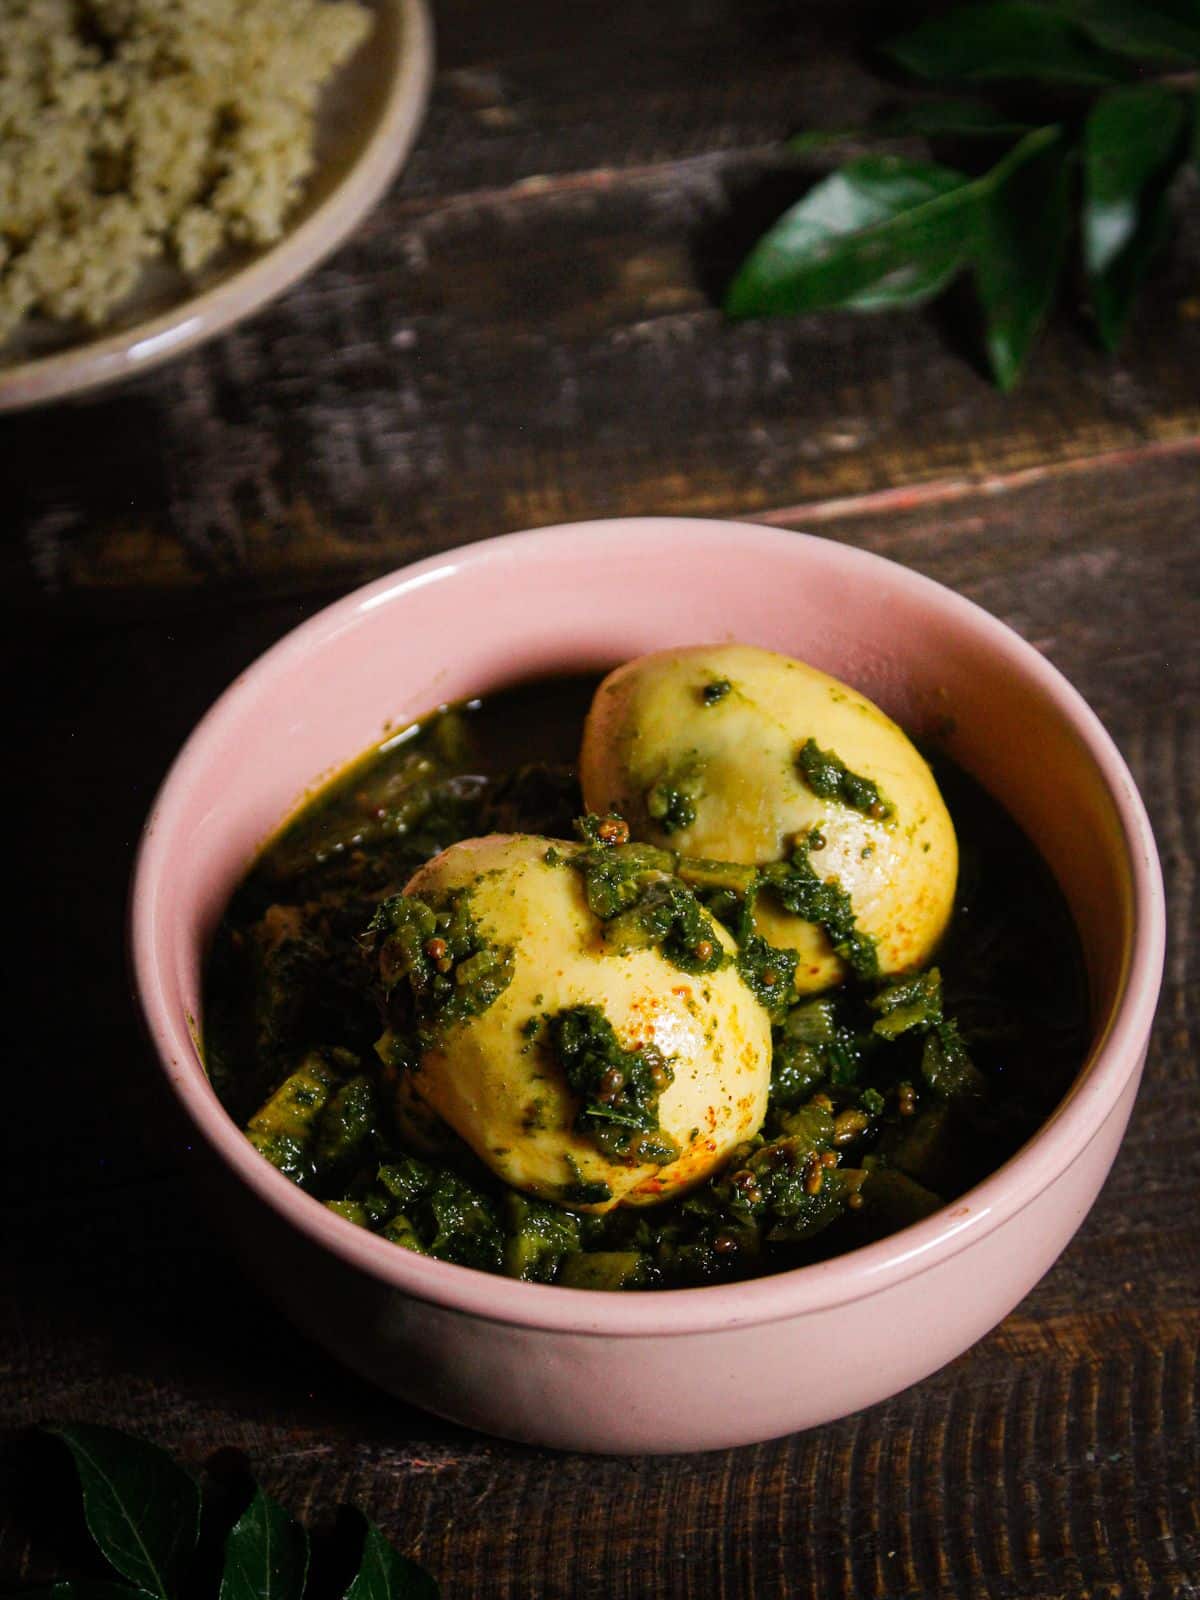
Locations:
{"points": [[681, 1369]]}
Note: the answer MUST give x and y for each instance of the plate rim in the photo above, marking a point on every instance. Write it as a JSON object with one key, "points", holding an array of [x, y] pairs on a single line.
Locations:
{"points": [[128, 353]]}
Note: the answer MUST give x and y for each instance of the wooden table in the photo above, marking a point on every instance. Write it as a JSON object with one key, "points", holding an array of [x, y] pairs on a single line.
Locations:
{"points": [[524, 332]]}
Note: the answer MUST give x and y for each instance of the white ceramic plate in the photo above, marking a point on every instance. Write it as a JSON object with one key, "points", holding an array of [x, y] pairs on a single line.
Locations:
{"points": [[367, 126]]}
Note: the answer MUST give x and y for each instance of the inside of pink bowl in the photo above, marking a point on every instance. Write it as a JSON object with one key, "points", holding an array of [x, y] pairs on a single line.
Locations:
{"points": [[585, 598]]}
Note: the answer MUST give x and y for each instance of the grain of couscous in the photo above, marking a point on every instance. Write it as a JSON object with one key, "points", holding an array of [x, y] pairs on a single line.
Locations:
{"points": [[130, 129]]}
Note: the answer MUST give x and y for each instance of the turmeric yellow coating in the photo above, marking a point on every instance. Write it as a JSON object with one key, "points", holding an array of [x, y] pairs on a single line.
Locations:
{"points": [[699, 749], [494, 1078]]}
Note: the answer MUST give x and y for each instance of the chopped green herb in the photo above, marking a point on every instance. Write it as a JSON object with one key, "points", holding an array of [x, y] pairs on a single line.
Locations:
{"points": [[671, 807], [604, 1269], [440, 1213], [813, 1021], [399, 1230], [886, 1097], [436, 967], [533, 1117], [619, 1089], [631, 888], [348, 1126], [615, 875], [829, 778], [795, 885], [947, 1067], [797, 1069], [769, 973], [791, 1188], [669, 916], [537, 1237], [583, 1191], [285, 1128], [914, 1002]]}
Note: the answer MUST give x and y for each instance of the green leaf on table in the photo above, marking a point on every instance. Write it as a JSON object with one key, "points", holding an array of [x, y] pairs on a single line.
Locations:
{"points": [[141, 1509], [1132, 147], [1022, 229], [1005, 40], [266, 1554], [957, 119], [881, 232], [1164, 30], [385, 1574]]}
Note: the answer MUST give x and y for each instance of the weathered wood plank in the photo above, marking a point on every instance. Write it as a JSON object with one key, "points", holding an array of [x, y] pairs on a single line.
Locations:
{"points": [[476, 361], [1054, 1476], [547, 90]]}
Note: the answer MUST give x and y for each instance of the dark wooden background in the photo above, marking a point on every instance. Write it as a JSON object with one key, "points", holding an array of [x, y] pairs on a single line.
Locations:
{"points": [[525, 332]]}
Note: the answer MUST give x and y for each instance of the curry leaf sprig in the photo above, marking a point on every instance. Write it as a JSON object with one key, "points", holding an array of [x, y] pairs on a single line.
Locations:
{"points": [[886, 231], [144, 1513]]}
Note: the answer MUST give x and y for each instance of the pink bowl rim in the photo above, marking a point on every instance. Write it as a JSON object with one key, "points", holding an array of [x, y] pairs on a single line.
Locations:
{"points": [[1114, 1060]]}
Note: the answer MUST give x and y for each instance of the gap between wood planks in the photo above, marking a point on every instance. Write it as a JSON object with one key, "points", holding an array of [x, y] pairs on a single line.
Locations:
{"points": [[946, 491], [129, 551]]}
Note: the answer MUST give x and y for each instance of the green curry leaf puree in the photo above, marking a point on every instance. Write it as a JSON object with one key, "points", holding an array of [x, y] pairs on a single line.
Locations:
{"points": [[672, 807], [436, 968], [618, 1089], [671, 799], [829, 778], [799, 889], [326, 984], [634, 891]]}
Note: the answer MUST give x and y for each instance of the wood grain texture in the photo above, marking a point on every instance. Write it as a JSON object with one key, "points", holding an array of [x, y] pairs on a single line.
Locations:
{"points": [[525, 332]]}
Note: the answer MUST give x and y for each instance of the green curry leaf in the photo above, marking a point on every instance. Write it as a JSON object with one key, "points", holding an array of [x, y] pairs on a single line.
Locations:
{"points": [[1132, 148], [882, 232], [1004, 41], [266, 1554], [1023, 226], [1163, 30], [384, 1574], [142, 1510]]}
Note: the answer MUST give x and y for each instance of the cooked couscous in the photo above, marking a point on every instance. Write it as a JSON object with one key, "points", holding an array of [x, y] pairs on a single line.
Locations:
{"points": [[130, 129]]}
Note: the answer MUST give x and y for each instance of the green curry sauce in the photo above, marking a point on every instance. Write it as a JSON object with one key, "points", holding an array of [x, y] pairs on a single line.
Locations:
{"points": [[888, 1099]]}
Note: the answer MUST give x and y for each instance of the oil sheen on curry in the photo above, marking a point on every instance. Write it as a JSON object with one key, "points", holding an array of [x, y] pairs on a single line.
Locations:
{"points": [[690, 976]]}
